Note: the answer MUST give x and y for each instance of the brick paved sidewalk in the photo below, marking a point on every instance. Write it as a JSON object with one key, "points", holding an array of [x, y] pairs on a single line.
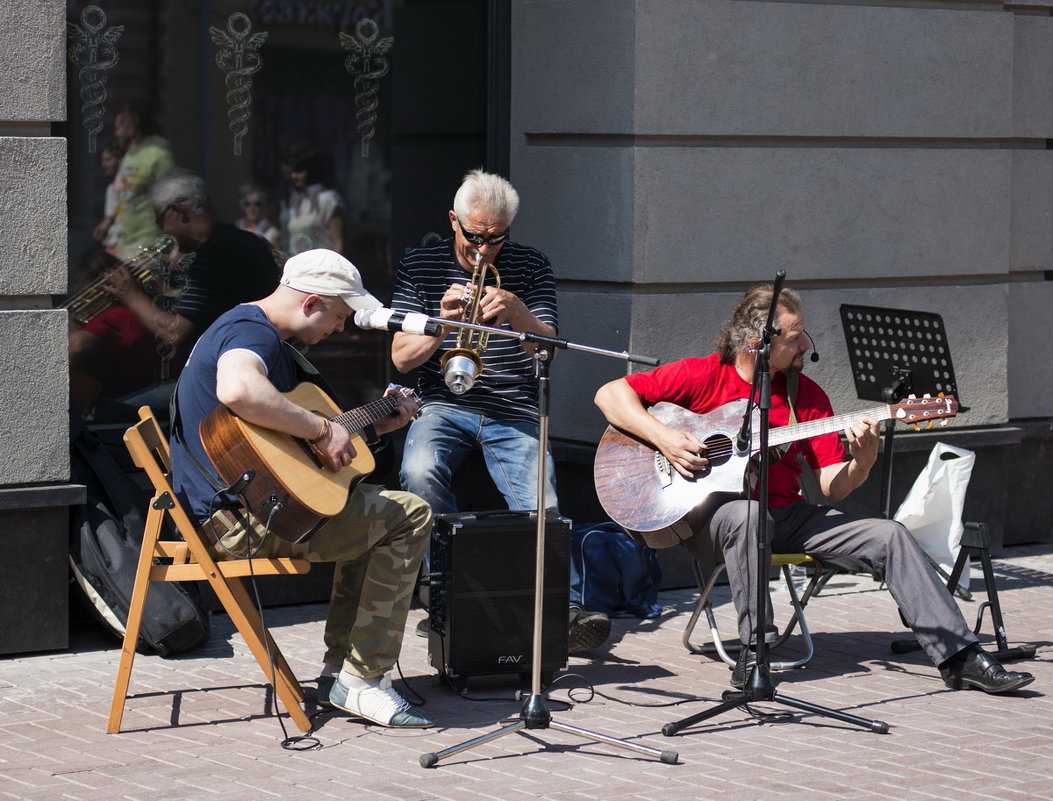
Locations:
{"points": [[198, 727]]}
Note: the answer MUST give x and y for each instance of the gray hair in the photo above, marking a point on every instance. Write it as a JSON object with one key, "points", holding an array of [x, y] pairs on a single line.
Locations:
{"points": [[486, 192], [180, 186], [747, 322]]}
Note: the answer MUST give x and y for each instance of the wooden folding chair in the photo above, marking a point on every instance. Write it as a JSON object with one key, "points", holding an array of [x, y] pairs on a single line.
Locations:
{"points": [[798, 602], [190, 560]]}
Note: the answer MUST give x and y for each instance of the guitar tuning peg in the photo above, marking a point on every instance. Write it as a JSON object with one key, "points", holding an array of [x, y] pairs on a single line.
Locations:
{"points": [[926, 395], [944, 423], [912, 396], [916, 426]]}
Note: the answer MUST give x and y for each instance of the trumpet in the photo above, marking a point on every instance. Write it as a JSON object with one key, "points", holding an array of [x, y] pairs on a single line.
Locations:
{"points": [[462, 364], [91, 300]]}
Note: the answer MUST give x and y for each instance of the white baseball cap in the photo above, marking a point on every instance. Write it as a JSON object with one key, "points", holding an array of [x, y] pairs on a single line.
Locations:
{"points": [[325, 272]]}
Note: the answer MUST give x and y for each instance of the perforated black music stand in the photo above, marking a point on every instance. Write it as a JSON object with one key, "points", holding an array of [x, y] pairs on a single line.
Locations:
{"points": [[895, 353]]}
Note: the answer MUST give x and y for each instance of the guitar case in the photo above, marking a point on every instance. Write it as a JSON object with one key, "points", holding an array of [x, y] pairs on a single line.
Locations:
{"points": [[106, 534]]}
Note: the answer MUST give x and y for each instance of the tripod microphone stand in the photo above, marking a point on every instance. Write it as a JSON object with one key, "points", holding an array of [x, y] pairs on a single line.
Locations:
{"points": [[534, 713], [758, 685]]}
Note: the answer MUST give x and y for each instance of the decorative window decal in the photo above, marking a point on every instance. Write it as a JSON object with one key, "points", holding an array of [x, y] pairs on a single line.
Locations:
{"points": [[237, 55], [94, 50], [366, 61]]}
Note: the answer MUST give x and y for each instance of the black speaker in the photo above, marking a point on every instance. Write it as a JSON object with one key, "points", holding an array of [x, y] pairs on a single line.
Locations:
{"points": [[481, 598]]}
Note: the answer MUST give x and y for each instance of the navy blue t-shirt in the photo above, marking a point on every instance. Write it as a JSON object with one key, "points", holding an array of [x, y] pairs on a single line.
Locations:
{"points": [[244, 327]]}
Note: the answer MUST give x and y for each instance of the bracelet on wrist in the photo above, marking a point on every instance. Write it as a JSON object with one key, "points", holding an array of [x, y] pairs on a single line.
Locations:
{"points": [[320, 437]]}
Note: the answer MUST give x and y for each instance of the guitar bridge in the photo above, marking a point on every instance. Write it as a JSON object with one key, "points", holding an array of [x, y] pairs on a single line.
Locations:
{"points": [[665, 470]]}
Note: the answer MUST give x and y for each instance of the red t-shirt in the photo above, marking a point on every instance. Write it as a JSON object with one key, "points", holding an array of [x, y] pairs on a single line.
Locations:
{"points": [[125, 359], [704, 384]]}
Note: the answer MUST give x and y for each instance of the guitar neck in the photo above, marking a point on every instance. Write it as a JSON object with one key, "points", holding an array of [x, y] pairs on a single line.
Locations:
{"points": [[827, 425], [355, 420]]}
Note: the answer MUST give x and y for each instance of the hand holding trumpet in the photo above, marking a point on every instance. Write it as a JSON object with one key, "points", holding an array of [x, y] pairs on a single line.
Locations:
{"points": [[496, 306]]}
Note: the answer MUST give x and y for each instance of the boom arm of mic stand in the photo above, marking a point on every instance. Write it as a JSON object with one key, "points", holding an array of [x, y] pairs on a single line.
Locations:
{"points": [[554, 342]]}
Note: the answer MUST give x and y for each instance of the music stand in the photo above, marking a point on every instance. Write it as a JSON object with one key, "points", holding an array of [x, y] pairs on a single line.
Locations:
{"points": [[534, 712], [758, 685], [895, 353]]}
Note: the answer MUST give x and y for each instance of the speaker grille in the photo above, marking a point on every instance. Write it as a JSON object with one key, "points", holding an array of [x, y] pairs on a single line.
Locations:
{"points": [[482, 598]]}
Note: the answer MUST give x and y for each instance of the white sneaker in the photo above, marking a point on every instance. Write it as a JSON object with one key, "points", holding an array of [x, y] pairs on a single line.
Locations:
{"points": [[381, 704]]}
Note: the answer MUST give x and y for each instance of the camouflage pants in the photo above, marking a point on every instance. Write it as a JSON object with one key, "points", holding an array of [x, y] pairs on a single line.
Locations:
{"points": [[377, 543]]}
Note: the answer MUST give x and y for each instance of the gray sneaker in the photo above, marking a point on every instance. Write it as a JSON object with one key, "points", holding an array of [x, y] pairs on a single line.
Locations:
{"points": [[381, 704]]}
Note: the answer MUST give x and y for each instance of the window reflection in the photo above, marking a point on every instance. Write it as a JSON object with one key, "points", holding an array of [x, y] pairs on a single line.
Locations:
{"points": [[281, 107]]}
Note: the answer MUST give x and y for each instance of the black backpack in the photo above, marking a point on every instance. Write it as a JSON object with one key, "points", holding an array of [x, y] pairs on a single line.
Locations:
{"points": [[106, 533]]}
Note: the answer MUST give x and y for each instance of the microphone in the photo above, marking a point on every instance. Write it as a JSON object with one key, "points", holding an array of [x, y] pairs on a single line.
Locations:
{"points": [[815, 355], [388, 320]]}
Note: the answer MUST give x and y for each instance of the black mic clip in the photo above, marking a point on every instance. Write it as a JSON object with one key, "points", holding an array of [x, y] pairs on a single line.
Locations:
{"points": [[238, 486]]}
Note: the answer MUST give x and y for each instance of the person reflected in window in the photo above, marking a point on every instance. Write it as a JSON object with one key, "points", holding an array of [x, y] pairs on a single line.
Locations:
{"points": [[256, 215], [106, 231], [146, 158], [111, 355], [222, 266], [312, 215]]}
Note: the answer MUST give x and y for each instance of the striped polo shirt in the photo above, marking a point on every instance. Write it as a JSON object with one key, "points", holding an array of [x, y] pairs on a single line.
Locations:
{"points": [[507, 388]]}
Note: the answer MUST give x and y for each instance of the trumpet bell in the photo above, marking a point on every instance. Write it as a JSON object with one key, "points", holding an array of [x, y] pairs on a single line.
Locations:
{"points": [[461, 368]]}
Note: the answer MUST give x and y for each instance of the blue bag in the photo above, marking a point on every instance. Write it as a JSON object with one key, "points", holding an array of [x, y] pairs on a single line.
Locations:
{"points": [[611, 573]]}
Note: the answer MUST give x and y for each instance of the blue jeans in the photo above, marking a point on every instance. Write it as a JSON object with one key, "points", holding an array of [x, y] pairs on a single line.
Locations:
{"points": [[442, 437]]}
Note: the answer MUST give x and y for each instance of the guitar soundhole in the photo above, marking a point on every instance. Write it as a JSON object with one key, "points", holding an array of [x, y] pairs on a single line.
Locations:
{"points": [[718, 449]]}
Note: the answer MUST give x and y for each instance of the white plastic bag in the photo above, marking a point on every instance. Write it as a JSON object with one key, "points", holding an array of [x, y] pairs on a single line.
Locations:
{"points": [[932, 509]]}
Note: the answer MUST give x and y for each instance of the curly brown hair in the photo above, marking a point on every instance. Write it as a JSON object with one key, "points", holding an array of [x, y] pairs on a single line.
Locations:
{"points": [[747, 322]]}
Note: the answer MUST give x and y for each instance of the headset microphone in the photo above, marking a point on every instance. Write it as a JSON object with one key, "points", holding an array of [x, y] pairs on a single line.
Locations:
{"points": [[815, 356]]}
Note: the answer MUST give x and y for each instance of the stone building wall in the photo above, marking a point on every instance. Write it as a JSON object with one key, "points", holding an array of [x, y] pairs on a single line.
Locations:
{"points": [[670, 153], [34, 423]]}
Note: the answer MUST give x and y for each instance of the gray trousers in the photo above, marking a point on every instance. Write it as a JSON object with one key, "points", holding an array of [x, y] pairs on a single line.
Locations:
{"points": [[883, 548]]}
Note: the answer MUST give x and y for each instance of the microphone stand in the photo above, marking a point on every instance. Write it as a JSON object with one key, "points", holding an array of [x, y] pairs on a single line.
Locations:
{"points": [[758, 685], [534, 713]]}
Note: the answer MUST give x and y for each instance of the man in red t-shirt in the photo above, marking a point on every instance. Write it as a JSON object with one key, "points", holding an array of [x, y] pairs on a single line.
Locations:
{"points": [[881, 547]]}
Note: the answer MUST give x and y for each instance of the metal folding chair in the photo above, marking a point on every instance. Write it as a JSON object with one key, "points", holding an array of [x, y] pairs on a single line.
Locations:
{"points": [[728, 652]]}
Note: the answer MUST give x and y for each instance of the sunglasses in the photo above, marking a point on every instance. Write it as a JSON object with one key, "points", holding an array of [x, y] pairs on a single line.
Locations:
{"points": [[481, 239], [247, 203]]}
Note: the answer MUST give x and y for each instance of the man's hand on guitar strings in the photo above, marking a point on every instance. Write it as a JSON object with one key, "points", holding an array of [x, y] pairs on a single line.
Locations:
{"points": [[684, 452]]}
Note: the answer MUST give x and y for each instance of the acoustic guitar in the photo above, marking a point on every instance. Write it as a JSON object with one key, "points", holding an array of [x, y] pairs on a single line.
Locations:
{"points": [[641, 491], [290, 486]]}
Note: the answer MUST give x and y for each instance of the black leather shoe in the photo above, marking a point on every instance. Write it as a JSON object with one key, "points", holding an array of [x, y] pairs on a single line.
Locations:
{"points": [[747, 659], [981, 671]]}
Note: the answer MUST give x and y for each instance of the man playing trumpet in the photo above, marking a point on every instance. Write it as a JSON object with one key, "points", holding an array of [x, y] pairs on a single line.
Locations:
{"points": [[497, 414]]}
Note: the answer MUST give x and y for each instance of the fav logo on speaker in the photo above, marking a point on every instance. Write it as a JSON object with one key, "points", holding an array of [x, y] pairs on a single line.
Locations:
{"points": [[510, 660]]}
